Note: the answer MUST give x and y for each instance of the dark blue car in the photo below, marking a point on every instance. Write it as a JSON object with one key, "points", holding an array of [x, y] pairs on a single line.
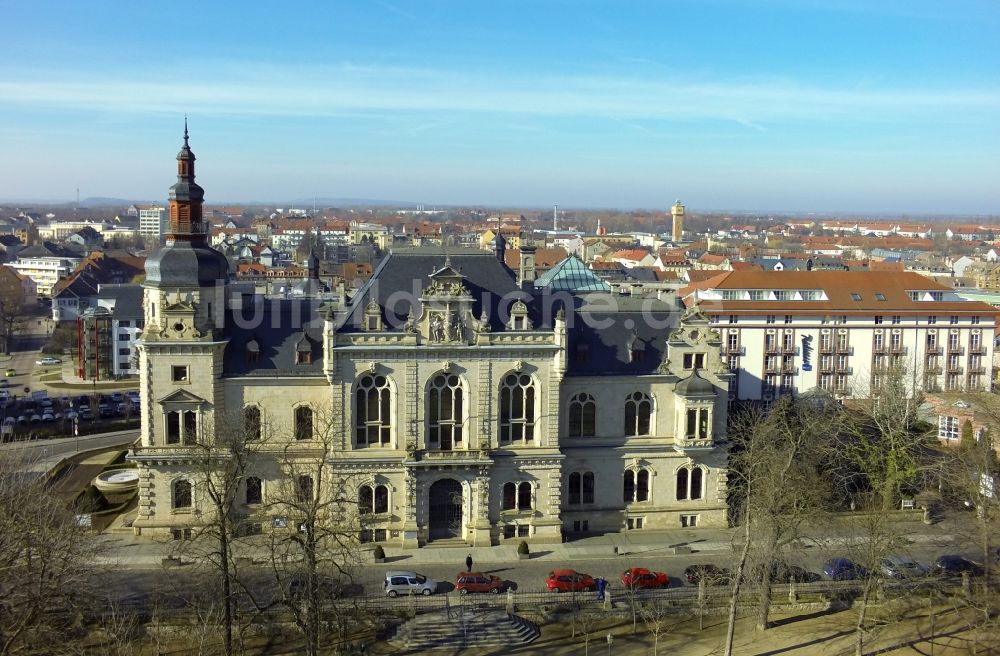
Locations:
{"points": [[955, 565], [843, 569]]}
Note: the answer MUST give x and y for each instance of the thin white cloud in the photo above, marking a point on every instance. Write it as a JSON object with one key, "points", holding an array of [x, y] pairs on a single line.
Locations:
{"points": [[350, 88]]}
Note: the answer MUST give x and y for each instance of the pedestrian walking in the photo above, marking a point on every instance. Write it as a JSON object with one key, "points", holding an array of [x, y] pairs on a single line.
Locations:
{"points": [[468, 563]]}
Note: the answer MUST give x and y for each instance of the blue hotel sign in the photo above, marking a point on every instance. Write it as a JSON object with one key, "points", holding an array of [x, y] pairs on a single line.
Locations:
{"points": [[807, 350]]}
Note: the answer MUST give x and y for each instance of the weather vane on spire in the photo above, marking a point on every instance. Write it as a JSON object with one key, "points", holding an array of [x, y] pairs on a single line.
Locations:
{"points": [[185, 129]]}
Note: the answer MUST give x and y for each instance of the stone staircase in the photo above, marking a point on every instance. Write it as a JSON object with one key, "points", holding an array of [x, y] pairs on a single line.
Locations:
{"points": [[469, 630]]}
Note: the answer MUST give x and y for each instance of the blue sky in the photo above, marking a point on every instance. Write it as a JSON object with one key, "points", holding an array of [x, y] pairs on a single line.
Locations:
{"points": [[799, 105]]}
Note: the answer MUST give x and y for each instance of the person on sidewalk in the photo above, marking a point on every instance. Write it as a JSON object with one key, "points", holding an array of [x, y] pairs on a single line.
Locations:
{"points": [[468, 563]]}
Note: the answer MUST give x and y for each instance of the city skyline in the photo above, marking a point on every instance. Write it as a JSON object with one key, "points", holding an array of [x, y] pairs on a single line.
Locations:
{"points": [[825, 105]]}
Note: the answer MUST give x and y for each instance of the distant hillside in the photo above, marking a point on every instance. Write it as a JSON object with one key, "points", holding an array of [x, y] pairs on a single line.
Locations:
{"points": [[354, 202]]}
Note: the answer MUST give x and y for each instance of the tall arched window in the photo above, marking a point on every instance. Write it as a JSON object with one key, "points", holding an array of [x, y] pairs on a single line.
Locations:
{"points": [[509, 501], [517, 409], [251, 422], [445, 413], [581, 488], [682, 484], [524, 496], [373, 499], [690, 483], [255, 491], [635, 488], [582, 415], [638, 412], [373, 419], [182, 497], [303, 423], [697, 475]]}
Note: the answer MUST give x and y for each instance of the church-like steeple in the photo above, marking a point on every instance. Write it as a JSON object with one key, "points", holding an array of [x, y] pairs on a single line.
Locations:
{"points": [[186, 198], [186, 261]]}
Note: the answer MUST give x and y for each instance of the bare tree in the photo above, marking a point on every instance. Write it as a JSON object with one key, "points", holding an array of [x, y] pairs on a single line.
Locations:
{"points": [[46, 563], [313, 561], [656, 613], [882, 450], [972, 472], [220, 463], [776, 463]]}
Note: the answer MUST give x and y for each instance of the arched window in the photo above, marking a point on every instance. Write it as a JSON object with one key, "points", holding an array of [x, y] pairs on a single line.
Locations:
{"points": [[251, 422], [636, 486], [182, 497], [517, 409], [509, 496], [697, 483], [581, 488], [524, 496], [303, 423], [638, 412], [373, 499], [381, 499], [582, 415], [366, 500], [304, 489], [690, 483], [255, 491], [445, 413], [373, 419]]}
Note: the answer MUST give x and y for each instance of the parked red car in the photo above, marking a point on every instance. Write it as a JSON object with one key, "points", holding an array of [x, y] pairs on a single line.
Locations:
{"points": [[568, 580], [478, 582], [640, 577]]}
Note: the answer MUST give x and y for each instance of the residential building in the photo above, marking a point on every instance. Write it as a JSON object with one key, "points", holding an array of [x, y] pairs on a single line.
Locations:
{"points": [[45, 264]]}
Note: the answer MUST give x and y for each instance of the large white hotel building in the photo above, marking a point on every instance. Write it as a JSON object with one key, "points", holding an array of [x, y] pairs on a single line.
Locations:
{"points": [[787, 332]]}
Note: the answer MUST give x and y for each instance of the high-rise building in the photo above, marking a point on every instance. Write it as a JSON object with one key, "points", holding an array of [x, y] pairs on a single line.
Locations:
{"points": [[153, 222]]}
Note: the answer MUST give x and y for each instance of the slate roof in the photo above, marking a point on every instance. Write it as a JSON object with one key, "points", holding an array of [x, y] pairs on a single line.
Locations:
{"points": [[127, 300], [601, 339], [403, 274], [280, 327]]}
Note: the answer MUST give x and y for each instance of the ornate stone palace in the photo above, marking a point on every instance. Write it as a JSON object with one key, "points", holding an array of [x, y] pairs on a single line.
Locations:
{"points": [[450, 397]]}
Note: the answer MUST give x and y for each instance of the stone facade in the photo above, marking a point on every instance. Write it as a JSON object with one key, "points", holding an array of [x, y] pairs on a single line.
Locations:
{"points": [[448, 399]]}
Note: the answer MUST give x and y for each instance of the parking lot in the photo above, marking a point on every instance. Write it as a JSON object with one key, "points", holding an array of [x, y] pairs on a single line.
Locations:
{"points": [[38, 415], [36, 403]]}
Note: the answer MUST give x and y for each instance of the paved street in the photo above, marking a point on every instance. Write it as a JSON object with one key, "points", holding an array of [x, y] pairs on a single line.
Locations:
{"points": [[137, 562]]}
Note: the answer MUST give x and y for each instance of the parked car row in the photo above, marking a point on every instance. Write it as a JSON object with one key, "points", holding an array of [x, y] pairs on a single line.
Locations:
{"points": [[26, 409]]}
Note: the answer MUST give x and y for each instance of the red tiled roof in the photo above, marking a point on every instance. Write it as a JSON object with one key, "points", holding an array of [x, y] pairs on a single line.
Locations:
{"points": [[839, 287]]}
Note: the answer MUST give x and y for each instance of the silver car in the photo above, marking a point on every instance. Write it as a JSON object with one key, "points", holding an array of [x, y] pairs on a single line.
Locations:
{"points": [[901, 567], [402, 582]]}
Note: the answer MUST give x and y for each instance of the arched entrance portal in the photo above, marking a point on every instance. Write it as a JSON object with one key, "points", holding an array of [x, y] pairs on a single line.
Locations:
{"points": [[445, 510]]}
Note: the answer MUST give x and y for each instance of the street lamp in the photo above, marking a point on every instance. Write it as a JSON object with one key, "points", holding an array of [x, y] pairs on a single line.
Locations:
{"points": [[611, 639]]}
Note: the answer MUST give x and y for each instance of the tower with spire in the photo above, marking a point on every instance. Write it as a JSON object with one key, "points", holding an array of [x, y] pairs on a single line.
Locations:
{"points": [[181, 347]]}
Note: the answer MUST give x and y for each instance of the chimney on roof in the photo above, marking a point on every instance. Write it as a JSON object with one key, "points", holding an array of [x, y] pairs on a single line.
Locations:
{"points": [[526, 266]]}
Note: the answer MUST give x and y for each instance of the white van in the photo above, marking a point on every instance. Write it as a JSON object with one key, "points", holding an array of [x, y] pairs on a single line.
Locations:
{"points": [[401, 582]]}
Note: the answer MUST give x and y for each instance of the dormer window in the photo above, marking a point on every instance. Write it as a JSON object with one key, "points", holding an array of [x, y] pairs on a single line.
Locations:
{"points": [[303, 351], [519, 317], [636, 348], [252, 352], [373, 317]]}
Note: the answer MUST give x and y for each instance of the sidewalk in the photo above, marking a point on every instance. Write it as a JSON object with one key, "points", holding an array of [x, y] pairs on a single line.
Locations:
{"points": [[140, 552]]}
